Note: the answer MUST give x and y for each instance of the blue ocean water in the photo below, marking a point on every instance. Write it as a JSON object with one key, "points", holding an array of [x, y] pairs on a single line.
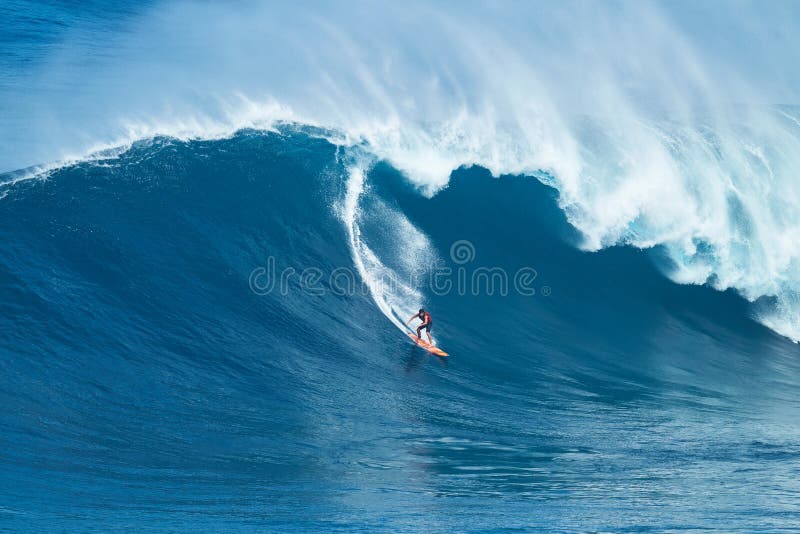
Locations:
{"points": [[198, 330], [148, 386]]}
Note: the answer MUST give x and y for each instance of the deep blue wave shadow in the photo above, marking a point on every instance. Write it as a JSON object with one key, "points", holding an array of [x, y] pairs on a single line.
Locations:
{"points": [[614, 308]]}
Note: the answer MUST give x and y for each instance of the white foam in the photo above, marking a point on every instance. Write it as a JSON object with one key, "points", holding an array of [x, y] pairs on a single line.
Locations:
{"points": [[391, 292]]}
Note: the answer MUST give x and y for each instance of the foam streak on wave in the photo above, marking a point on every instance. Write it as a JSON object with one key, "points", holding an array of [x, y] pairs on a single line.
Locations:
{"points": [[392, 295]]}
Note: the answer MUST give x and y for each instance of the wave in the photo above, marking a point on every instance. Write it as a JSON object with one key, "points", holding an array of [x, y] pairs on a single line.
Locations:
{"points": [[729, 228], [692, 153]]}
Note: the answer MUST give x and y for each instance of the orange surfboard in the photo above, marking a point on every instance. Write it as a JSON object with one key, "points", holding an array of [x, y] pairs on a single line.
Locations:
{"points": [[433, 349]]}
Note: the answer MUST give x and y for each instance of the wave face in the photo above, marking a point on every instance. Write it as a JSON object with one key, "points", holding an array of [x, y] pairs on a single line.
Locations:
{"points": [[192, 336]]}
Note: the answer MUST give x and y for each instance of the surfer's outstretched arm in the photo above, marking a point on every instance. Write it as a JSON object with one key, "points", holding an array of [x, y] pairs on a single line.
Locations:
{"points": [[408, 323]]}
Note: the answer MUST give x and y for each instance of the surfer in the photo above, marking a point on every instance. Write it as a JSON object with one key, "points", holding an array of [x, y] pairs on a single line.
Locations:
{"points": [[427, 322]]}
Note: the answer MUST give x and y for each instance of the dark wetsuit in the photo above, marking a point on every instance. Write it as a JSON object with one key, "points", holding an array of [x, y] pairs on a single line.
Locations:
{"points": [[427, 323]]}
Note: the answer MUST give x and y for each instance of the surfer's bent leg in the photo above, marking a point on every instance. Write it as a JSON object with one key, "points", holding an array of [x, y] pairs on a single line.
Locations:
{"points": [[427, 327]]}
